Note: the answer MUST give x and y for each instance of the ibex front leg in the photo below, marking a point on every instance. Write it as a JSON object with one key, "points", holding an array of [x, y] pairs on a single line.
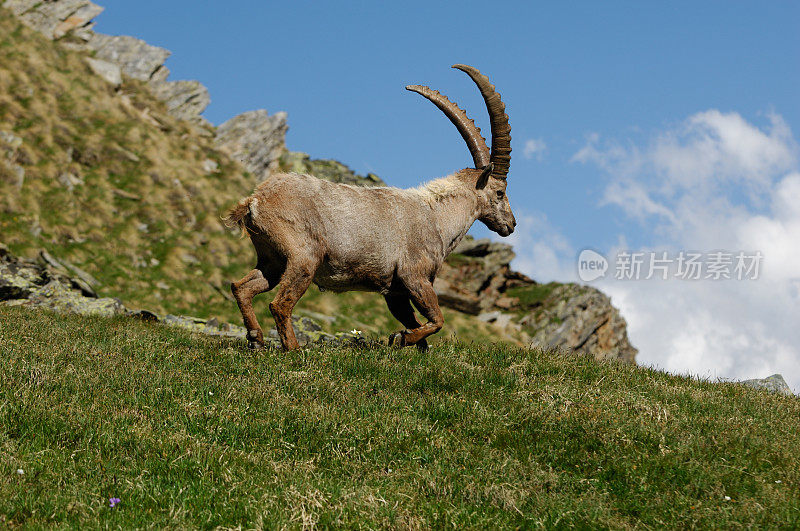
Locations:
{"points": [[425, 299], [400, 306]]}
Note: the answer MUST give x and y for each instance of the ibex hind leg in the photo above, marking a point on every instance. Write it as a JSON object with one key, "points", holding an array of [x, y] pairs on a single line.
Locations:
{"points": [[243, 291], [293, 284], [400, 306]]}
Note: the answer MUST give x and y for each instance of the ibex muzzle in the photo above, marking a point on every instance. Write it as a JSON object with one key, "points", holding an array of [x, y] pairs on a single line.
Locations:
{"points": [[388, 240]]}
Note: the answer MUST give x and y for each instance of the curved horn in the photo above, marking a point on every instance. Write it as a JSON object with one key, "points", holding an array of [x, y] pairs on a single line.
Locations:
{"points": [[469, 131], [501, 129]]}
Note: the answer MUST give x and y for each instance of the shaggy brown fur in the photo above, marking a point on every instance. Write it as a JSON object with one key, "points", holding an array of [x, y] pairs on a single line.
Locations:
{"points": [[236, 215]]}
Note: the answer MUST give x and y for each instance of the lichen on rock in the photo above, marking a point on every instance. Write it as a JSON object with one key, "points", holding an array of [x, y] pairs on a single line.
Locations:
{"points": [[39, 284]]}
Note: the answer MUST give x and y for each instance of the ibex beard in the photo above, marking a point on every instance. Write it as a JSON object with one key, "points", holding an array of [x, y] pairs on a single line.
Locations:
{"points": [[393, 241]]}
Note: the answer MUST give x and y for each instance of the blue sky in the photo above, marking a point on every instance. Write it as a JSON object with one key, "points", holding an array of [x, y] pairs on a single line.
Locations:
{"points": [[621, 95], [339, 68]]}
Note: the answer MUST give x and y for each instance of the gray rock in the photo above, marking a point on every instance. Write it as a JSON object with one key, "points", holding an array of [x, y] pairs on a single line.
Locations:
{"points": [[18, 7], [211, 327], [210, 166], [774, 384], [78, 38], [490, 256], [189, 259], [54, 18], [160, 75], [50, 260], [69, 181], [580, 318], [137, 59], [184, 99], [475, 275], [452, 295], [72, 19], [488, 317], [115, 55], [106, 70], [10, 141], [497, 318], [19, 173], [81, 274], [477, 279], [316, 315], [28, 283], [255, 139]]}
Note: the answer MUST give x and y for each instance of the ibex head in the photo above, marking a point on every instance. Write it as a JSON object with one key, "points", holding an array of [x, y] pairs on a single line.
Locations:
{"points": [[491, 167]]}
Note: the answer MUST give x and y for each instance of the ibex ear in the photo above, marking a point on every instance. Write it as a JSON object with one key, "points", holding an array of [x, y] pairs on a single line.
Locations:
{"points": [[484, 178]]}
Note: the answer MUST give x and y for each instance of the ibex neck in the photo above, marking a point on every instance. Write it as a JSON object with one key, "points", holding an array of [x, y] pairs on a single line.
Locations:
{"points": [[455, 209]]}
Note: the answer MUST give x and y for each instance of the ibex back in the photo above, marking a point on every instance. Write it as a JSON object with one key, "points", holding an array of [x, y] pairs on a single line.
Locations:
{"points": [[388, 240]]}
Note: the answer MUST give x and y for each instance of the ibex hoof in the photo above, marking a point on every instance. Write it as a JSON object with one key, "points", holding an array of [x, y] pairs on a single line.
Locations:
{"points": [[397, 340], [422, 345], [255, 345]]}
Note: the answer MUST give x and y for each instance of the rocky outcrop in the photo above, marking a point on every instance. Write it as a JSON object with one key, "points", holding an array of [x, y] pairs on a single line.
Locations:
{"points": [[773, 384], [476, 275], [579, 318], [70, 22], [184, 99], [330, 170], [477, 279], [136, 58], [48, 283], [109, 71], [54, 19], [255, 139]]}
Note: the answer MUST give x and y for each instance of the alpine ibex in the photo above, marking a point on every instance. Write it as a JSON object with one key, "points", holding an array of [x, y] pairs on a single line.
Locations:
{"points": [[388, 240]]}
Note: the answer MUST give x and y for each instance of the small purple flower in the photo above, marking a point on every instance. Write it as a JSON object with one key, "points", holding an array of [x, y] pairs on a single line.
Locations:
{"points": [[113, 502]]}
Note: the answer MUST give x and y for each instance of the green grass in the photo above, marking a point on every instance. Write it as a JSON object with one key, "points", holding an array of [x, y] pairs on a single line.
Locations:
{"points": [[458, 259], [191, 431], [535, 295]]}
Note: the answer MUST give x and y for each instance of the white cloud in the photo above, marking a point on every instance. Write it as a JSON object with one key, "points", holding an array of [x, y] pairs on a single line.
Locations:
{"points": [[713, 182], [635, 199], [541, 250], [534, 147]]}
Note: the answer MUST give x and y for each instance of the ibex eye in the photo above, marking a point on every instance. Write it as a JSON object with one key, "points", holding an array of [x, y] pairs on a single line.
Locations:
{"points": [[500, 194]]}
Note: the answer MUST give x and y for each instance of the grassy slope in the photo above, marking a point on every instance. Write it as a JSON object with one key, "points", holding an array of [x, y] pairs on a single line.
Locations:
{"points": [[72, 121], [190, 431]]}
